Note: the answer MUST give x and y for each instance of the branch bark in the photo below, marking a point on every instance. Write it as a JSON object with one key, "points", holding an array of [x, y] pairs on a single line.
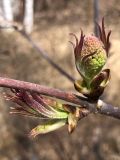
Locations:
{"points": [[103, 108]]}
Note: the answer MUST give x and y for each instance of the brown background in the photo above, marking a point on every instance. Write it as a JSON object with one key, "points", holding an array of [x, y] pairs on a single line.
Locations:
{"points": [[97, 137]]}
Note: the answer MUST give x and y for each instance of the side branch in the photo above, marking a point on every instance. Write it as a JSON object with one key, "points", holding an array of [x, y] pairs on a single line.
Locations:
{"points": [[19, 29], [103, 108]]}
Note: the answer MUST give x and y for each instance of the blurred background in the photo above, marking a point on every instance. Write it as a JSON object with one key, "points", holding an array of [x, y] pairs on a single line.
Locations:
{"points": [[49, 23]]}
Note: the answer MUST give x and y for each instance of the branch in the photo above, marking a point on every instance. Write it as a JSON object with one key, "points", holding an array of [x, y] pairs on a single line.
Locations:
{"points": [[96, 16], [19, 29], [102, 108]]}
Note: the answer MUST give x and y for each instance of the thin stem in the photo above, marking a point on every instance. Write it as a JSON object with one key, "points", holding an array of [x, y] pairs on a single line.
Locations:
{"points": [[96, 16], [104, 108], [44, 54]]}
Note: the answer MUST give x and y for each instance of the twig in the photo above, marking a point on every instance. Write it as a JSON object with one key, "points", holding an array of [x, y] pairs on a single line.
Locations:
{"points": [[102, 108], [18, 28], [96, 16]]}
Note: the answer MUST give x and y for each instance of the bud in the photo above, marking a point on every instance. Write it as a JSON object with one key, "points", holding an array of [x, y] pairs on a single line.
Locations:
{"points": [[91, 54], [91, 58]]}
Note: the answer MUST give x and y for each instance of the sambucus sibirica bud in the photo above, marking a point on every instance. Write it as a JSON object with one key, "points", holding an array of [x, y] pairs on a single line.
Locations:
{"points": [[91, 54]]}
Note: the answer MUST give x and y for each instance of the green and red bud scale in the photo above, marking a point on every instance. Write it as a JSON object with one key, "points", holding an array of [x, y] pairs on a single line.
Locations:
{"points": [[91, 54]]}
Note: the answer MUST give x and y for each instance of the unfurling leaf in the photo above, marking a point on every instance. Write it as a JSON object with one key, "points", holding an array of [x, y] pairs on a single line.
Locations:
{"points": [[57, 114], [47, 127]]}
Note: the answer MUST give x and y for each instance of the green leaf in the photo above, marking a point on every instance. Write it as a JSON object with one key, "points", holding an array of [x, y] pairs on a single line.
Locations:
{"points": [[48, 127]]}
